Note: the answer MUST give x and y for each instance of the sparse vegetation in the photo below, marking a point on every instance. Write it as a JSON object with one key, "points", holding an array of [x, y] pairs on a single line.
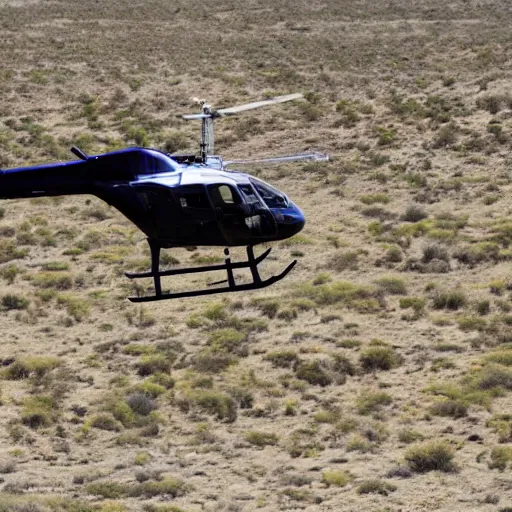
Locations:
{"points": [[432, 456], [376, 487], [385, 353], [379, 358], [369, 402], [336, 478]]}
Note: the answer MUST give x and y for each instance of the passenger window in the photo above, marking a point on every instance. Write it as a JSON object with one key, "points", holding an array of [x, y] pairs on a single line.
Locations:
{"points": [[194, 200], [223, 196], [226, 194]]}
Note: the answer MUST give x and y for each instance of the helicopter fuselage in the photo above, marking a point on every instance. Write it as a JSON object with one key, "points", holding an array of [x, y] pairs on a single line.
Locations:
{"points": [[178, 202]]}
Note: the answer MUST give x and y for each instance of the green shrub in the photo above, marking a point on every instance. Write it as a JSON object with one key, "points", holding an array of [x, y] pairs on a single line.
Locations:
{"points": [[503, 356], [55, 266], [136, 349], [347, 260], [344, 293], [268, 307], [491, 377], [500, 457], [502, 425], [212, 362], [109, 490], [336, 478], [326, 416], [57, 280], [313, 372], [226, 340], [379, 358], [477, 253], [348, 343], [104, 421], [261, 438], [431, 456], [287, 314], [483, 307], [76, 307], [451, 408], [168, 486], [212, 402], [410, 436], [385, 136], [9, 251], [435, 252], [446, 136], [392, 285], [454, 300], [142, 458], [375, 487], [375, 198], [471, 323], [151, 389], [12, 301], [9, 272], [282, 358], [416, 303], [369, 402], [122, 412], [31, 366], [493, 103], [38, 411], [155, 363]]}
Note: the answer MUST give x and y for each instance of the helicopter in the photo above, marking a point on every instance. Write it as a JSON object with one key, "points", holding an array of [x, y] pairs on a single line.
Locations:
{"points": [[180, 201]]}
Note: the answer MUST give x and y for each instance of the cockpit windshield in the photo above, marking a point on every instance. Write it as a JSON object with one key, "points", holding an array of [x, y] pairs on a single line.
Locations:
{"points": [[249, 193], [272, 197]]}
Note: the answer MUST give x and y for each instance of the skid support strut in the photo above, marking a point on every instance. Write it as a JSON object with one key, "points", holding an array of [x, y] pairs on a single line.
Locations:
{"points": [[251, 263]]}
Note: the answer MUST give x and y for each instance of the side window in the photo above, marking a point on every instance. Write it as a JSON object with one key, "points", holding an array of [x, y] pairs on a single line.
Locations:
{"points": [[248, 191], [226, 194], [223, 196], [194, 198]]}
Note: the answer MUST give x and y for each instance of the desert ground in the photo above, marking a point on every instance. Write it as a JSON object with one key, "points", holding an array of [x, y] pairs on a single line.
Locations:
{"points": [[378, 375]]}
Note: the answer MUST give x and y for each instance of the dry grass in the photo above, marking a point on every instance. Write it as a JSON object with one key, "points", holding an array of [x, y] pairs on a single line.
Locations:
{"points": [[308, 394]]}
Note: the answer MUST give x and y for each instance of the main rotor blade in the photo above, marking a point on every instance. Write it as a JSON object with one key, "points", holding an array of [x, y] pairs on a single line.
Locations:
{"points": [[315, 156], [257, 104], [196, 116]]}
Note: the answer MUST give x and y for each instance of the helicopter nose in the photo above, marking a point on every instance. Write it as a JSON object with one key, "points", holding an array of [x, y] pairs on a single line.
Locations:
{"points": [[290, 221]]}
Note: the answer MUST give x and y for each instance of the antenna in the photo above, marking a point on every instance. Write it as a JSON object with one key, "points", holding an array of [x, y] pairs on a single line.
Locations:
{"points": [[208, 115]]}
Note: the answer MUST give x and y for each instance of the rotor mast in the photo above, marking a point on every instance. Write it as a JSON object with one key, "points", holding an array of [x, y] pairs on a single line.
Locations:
{"points": [[206, 132], [208, 114]]}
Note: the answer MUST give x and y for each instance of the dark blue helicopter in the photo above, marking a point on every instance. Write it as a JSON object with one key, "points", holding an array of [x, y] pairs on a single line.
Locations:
{"points": [[178, 201]]}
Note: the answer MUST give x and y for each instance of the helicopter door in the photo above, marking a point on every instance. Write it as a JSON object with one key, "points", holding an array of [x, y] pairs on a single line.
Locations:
{"points": [[261, 221], [230, 213], [197, 224], [241, 219]]}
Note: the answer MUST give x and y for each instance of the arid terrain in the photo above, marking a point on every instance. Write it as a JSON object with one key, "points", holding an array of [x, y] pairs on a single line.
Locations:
{"points": [[378, 375]]}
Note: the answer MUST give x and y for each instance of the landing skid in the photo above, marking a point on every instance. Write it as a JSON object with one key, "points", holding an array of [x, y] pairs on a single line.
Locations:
{"points": [[251, 263]]}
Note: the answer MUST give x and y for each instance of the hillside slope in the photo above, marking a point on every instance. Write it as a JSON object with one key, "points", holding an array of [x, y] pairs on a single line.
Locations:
{"points": [[377, 375]]}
